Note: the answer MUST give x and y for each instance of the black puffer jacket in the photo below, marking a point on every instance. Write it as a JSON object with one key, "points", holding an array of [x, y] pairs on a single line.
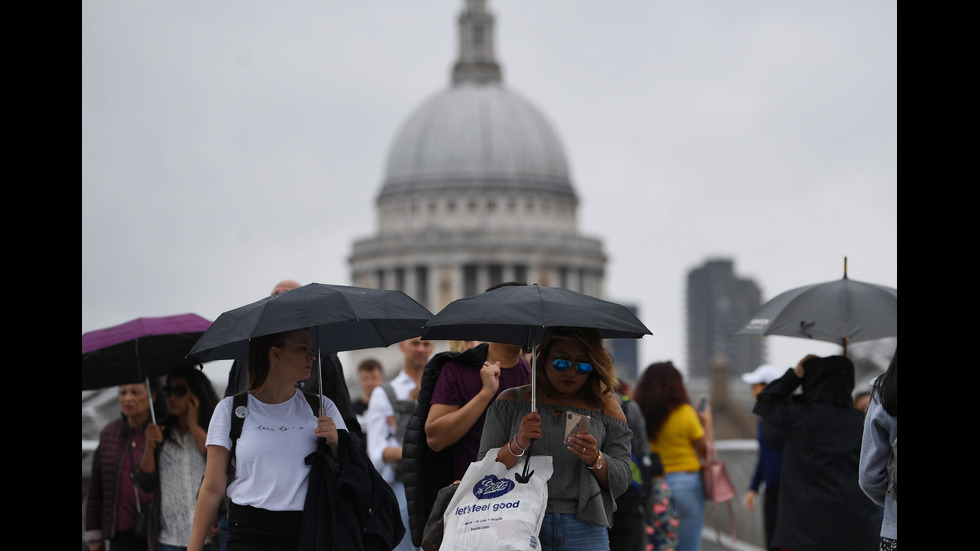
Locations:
{"points": [[425, 470]]}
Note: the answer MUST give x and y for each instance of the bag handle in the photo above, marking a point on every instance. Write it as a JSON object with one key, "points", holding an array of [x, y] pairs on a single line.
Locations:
{"points": [[711, 454]]}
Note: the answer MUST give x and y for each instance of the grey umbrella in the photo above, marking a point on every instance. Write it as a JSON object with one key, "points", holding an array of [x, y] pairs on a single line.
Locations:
{"points": [[841, 311]]}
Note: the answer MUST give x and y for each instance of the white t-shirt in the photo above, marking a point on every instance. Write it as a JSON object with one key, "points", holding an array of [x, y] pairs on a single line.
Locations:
{"points": [[271, 471]]}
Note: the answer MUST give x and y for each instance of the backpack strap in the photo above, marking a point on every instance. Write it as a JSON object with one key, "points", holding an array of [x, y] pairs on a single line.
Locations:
{"points": [[314, 402], [390, 392], [240, 400]]}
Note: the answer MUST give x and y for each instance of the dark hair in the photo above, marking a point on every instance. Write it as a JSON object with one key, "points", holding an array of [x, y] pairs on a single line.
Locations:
{"points": [[369, 364], [200, 386], [602, 378], [886, 388], [659, 391], [258, 357]]}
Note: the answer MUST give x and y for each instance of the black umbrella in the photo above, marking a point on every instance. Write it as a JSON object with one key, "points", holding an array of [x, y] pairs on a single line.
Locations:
{"points": [[340, 317], [839, 311], [519, 314], [134, 351]]}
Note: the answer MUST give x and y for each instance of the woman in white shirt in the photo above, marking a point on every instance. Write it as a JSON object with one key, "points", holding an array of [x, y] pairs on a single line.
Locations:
{"points": [[279, 430]]}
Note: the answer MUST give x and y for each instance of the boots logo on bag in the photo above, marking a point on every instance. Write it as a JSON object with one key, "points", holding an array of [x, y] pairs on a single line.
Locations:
{"points": [[491, 487]]}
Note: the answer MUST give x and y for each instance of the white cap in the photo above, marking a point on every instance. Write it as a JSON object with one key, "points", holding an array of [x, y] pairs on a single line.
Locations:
{"points": [[763, 374]]}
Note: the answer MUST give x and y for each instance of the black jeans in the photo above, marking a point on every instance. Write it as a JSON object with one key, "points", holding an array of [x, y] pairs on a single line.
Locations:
{"points": [[127, 541], [254, 529]]}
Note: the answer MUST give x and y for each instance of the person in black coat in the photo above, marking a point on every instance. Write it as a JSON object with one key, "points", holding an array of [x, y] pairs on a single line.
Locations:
{"points": [[821, 505]]}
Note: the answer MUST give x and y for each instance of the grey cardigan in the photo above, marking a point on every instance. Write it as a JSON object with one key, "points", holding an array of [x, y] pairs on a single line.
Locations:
{"points": [[572, 488], [880, 430]]}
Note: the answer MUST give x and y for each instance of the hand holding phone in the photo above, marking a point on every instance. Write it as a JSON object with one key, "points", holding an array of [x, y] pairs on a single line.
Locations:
{"points": [[575, 423], [703, 404]]}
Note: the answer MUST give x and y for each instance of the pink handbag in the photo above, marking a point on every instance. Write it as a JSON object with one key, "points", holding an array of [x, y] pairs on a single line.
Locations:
{"points": [[718, 487]]}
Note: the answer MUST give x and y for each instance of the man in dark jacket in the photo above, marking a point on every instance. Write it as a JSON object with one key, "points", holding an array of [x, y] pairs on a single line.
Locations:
{"points": [[821, 505]]}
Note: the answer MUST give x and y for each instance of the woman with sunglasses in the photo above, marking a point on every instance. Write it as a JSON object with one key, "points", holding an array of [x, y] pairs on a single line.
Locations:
{"points": [[174, 460], [574, 374]]}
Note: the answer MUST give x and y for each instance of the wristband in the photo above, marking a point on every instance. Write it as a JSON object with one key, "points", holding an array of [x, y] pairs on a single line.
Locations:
{"points": [[511, 450]]}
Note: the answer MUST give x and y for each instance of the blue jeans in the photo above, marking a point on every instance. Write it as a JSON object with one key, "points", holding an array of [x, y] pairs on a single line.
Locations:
{"points": [[689, 499], [223, 536], [406, 543], [563, 531], [165, 547]]}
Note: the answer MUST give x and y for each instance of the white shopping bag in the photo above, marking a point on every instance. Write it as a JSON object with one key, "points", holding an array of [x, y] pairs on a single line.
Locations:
{"points": [[492, 511]]}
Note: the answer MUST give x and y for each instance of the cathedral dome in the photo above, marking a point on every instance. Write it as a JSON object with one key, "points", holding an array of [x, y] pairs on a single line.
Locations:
{"points": [[477, 134]]}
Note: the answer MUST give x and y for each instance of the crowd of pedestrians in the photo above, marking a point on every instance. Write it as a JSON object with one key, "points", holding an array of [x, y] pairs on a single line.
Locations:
{"points": [[234, 474]]}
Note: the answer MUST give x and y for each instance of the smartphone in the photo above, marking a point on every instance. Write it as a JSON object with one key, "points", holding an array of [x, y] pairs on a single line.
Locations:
{"points": [[575, 423], [703, 404]]}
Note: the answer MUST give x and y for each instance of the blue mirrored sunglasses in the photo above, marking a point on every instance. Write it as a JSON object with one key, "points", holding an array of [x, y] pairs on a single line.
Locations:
{"points": [[562, 365]]}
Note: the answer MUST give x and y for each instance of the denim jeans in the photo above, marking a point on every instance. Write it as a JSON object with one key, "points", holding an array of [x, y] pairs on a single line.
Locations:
{"points": [[406, 543], [165, 547], [689, 499], [563, 531]]}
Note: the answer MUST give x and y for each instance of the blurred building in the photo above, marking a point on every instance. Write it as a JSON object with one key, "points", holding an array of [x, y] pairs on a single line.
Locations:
{"points": [[625, 354], [477, 191], [718, 304]]}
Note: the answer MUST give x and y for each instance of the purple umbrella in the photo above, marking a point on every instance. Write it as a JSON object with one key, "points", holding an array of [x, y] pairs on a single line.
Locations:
{"points": [[134, 351]]}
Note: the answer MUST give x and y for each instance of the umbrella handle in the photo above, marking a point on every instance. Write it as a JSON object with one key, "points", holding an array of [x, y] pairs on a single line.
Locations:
{"points": [[319, 380], [534, 380], [153, 415]]}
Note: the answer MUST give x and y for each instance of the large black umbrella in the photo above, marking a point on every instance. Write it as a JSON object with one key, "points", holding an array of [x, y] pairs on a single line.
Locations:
{"points": [[839, 311], [519, 314], [134, 351], [341, 318]]}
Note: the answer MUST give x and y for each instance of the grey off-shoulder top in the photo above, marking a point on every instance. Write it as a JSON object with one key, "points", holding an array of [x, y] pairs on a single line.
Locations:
{"points": [[572, 488]]}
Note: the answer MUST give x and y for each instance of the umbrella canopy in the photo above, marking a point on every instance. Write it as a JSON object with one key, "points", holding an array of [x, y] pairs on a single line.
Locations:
{"points": [[840, 311], [341, 318], [519, 314], [136, 350]]}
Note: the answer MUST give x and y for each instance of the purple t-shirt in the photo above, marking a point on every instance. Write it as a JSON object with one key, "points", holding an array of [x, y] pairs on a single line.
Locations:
{"points": [[456, 385]]}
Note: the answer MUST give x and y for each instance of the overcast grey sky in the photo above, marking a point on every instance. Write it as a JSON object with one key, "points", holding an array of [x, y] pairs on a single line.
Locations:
{"points": [[227, 145]]}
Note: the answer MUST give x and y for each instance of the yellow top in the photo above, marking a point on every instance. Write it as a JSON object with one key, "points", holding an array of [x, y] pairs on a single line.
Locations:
{"points": [[675, 441]]}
